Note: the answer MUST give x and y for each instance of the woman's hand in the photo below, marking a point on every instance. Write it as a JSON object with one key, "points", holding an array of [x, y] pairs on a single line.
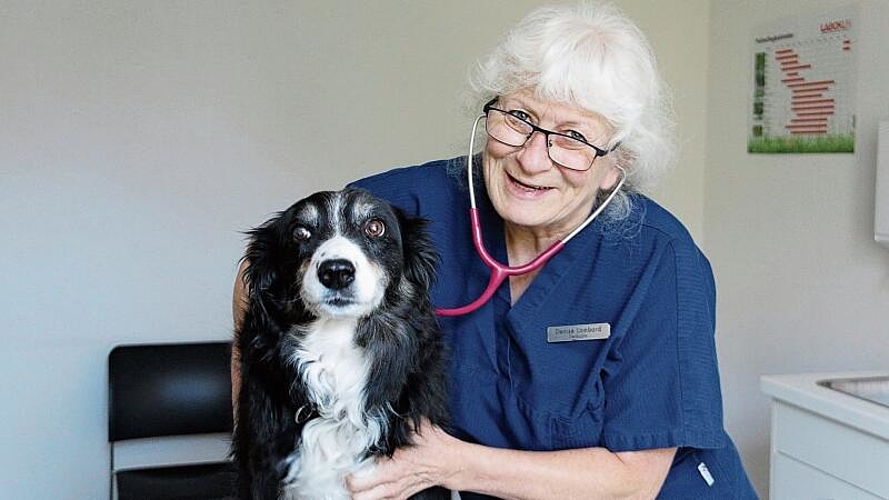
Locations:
{"points": [[428, 462]]}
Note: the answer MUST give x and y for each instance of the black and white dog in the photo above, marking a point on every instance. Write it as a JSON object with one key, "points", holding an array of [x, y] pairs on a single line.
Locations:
{"points": [[341, 355]]}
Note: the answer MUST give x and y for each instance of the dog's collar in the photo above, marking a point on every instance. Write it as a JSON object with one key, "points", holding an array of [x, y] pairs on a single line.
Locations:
{"points": [[304, 413]]}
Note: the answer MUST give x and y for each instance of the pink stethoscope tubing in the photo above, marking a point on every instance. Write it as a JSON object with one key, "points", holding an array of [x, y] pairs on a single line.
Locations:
{"points": [[500, 271]]}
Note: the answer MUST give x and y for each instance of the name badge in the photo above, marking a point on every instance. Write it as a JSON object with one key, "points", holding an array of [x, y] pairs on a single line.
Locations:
{"points": [[570, 333]]}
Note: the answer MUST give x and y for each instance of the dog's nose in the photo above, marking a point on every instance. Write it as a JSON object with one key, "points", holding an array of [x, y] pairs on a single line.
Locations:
{"points": [[336, 274]]}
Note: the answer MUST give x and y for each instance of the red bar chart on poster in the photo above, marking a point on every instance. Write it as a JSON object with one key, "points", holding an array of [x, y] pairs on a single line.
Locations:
{"points": [[804, 79]]}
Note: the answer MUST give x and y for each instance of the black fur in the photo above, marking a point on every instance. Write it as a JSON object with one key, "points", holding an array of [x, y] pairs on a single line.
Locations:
{"points": [[401, 337]]}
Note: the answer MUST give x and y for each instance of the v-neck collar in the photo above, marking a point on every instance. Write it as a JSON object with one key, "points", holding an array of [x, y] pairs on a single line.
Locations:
{"points": [[547, 280]]}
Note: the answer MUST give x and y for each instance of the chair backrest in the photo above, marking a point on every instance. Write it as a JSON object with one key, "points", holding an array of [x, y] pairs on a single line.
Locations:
{"points": [[169, 389], [170, 421]]}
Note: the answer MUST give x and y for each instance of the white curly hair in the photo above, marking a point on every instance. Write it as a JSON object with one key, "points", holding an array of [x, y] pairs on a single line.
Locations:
{"points": [[592, 56]]}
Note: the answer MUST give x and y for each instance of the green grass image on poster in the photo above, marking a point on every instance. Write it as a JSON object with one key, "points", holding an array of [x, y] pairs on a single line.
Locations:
{"points": [[824, 144]]}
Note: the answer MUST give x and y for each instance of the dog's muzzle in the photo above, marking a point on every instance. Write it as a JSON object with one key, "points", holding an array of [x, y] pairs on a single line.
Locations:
{"points": [[343, 282], [336, 274]]}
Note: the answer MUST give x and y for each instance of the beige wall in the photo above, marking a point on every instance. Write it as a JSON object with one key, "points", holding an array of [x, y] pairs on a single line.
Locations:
{"points": [[137, 139], [802, 285], [679, 32]]}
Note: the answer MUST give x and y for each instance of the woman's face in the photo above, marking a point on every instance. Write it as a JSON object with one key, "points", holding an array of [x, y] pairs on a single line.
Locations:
{"points": [[528, 189]]}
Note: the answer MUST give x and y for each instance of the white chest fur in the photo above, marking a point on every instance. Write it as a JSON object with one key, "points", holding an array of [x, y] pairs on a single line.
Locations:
{"points": [[334, 371]]}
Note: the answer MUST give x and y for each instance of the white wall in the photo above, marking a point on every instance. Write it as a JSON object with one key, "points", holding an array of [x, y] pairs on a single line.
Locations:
{"points": [[802, 286], [138, 138]]}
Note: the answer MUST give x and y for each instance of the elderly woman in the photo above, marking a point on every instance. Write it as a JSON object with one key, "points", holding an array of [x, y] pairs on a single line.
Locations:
{"points": [[594, 376]]}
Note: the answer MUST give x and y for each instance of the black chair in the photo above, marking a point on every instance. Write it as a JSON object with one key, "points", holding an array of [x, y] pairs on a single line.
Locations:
{"points": [[160, 397]]}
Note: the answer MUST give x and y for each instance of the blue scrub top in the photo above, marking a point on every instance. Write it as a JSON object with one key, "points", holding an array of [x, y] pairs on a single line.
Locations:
{"points": [[653, 383]]}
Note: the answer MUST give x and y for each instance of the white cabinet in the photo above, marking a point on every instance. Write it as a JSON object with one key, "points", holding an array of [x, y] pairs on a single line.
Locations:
{"points": [[826, 445], [792, 479]]}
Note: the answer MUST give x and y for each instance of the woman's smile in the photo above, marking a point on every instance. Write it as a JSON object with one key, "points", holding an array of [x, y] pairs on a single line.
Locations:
{"points": [[525, 188]]}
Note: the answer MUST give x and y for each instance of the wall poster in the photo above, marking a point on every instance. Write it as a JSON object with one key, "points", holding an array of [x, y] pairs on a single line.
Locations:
{"points": [[804, 83]]}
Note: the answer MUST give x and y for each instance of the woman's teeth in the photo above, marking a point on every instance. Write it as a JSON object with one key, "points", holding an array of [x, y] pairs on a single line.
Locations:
{"points": [[527, 186]]}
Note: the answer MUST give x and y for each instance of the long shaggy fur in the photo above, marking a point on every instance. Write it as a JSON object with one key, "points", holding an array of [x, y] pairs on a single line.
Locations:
{"points": [[337, 367]]}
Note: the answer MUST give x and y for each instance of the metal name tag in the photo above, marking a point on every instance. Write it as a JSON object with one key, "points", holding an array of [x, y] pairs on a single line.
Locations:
{"points": [[570, 333]]}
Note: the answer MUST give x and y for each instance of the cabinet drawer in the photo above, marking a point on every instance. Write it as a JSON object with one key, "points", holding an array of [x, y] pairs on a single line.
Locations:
{"points": [[844, 452], [793, 480]]}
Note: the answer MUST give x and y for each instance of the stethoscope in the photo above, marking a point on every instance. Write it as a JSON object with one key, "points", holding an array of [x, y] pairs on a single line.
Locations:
{"points": [[500, 271]]}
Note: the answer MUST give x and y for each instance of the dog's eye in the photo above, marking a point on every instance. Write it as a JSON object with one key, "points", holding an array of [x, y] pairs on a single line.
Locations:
{"points": [[301, 233], [374, 228]]}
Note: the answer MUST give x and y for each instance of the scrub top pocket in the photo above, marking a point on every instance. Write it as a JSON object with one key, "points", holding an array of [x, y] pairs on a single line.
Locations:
{"points": [[563, 401]]}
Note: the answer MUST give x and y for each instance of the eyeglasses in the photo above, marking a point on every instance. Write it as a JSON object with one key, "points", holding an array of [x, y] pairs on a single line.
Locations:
{"points": [[570, 152]]}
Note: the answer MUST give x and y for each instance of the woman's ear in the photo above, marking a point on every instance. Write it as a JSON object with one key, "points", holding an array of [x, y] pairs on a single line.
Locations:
{"points": [[612, 175]]}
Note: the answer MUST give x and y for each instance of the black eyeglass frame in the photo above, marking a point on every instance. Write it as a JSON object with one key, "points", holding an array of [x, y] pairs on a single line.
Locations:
{"points": [[489, 106]]}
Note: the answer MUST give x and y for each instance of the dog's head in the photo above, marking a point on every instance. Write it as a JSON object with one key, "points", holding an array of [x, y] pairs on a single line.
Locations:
{"points": [[337, 254]]}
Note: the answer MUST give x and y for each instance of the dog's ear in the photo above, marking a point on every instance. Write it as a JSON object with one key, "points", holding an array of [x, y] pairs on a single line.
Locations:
{"points": [[262, 260], [420, 257]]}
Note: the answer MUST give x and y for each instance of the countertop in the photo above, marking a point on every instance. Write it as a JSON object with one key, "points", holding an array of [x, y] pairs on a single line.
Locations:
{"points": [[802, 390]]}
